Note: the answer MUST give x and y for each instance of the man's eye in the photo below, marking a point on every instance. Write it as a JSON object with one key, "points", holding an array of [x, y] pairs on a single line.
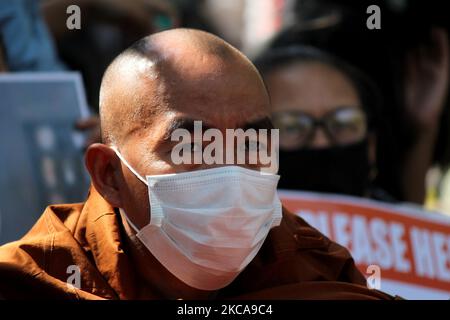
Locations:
{"points": [[192, 147], [253, 145]]}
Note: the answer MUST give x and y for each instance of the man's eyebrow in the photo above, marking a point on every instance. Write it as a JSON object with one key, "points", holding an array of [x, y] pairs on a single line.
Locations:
{"points": [[182, 123], [262, 123], [188, 124]]}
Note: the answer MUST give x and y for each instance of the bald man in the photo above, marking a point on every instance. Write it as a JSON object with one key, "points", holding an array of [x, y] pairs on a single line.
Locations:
{"points": [[153, 229]]}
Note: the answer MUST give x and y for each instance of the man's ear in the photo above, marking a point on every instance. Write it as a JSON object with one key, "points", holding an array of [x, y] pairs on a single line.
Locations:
{"points": [[104, 168]]}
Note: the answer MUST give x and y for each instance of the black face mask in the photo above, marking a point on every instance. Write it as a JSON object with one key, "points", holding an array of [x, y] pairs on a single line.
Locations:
{"points": [[343, 170]]}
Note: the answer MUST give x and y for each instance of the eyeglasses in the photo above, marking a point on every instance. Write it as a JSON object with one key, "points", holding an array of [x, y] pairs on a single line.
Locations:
{"points": [[342, 126]]}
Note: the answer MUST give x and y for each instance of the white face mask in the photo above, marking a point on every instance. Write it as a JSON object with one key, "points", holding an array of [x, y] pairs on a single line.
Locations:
{"points": [[206, 226]]}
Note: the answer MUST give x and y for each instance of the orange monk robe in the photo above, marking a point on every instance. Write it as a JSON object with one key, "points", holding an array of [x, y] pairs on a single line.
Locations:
{"points": [[295, 262]]}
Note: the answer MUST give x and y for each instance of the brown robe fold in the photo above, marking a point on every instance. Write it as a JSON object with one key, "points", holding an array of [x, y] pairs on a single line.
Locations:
{"points": [[295, 262]]}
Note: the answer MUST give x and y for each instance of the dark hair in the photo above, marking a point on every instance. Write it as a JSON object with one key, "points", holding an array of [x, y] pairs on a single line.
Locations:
{"points": [[273, 58]]}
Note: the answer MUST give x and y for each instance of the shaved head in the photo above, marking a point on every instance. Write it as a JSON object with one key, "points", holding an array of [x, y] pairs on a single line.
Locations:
{"points": [[156, 72]]}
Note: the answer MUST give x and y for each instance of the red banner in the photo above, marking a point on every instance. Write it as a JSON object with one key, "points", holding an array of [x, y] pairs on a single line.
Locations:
{"points": [[410, 246]]}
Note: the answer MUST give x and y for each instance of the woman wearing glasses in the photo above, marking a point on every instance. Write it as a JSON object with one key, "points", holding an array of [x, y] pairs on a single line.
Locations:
{"points": [[327, 113]]}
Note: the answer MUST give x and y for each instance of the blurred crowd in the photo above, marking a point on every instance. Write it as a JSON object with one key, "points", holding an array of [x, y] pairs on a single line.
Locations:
{"points": [[361, 112]]}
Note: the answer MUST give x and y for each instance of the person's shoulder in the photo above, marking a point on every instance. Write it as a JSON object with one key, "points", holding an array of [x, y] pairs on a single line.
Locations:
{"points": [[298, 234], [69, 241], [318, 290], [55, 219], [299, 262], [26, 263]]}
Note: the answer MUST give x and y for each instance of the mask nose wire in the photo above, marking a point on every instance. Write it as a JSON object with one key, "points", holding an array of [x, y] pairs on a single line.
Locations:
{"points": [[129, 166]]}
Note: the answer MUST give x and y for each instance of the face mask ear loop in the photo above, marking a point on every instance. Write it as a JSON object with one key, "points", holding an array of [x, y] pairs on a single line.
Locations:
{"points": [[128, 165], [128, 220]]}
